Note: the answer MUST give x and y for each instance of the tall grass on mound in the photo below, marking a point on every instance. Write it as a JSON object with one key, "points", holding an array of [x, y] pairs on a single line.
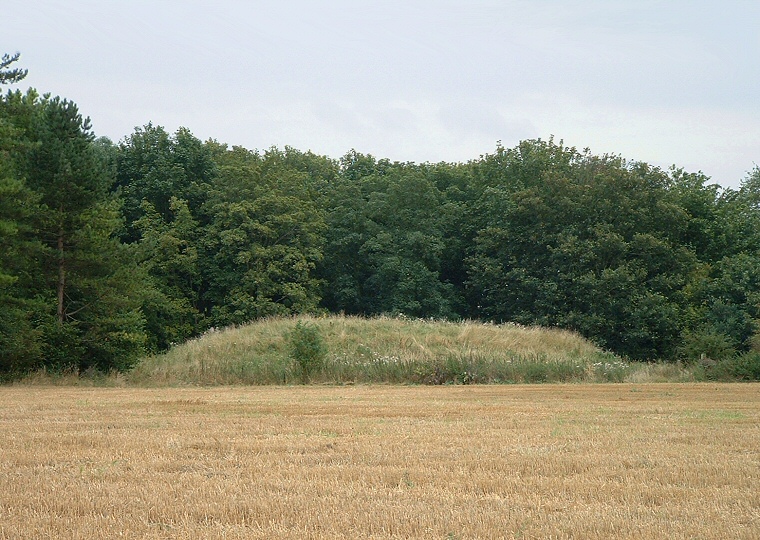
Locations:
{"points": [[381, 350]]}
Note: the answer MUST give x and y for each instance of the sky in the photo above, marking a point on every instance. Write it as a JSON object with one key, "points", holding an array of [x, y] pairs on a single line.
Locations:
{"points": [[668, 82]]}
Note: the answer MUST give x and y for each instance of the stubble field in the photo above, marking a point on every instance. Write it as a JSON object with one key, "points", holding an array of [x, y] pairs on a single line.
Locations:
{"points": [[546, 461]]}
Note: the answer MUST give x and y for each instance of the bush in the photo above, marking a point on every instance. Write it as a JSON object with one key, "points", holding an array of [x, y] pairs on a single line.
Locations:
{"points": [[307, 347], [744, 367], [706, 346]]}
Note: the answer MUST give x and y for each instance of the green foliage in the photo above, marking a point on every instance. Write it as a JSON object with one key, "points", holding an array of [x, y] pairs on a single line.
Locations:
{"points": [[744, 367], [596, 246], [10, 76], [169, 253], [263, 241], [386, 241], [72, 287], [155, 167], [307, 347], [740, 367], [707, 347], [226, 235], [20, 339], [164, 181], [109, 250], [63, 346]]}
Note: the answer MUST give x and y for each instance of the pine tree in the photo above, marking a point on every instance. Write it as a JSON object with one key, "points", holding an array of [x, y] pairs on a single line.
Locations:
{"points": [[84, 283], [10, 76]]}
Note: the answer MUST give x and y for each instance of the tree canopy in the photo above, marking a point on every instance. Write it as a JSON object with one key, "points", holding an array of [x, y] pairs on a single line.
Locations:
{"points": [[112, 251]]}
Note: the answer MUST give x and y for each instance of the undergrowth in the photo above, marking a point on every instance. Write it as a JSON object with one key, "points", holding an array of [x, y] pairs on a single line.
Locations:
{"points": [[354, 350]]}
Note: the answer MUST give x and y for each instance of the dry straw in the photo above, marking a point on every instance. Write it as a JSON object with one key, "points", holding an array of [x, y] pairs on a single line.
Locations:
{"points": [[542, 461]]}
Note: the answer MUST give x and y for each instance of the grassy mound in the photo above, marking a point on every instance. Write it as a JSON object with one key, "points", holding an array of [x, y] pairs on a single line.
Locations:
{"points": [[383, 350]]}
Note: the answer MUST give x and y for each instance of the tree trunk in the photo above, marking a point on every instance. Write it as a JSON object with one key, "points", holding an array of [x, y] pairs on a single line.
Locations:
{"points": [[61, 277]]}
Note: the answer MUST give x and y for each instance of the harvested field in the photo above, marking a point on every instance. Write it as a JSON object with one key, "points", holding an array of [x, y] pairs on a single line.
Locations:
{"points": [[670, 461]]}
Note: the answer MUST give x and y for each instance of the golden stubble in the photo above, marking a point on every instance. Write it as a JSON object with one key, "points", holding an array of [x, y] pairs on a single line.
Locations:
{"points": [[551, 461]]}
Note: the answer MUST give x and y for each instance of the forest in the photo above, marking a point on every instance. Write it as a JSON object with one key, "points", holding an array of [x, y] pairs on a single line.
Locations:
{"points": [[111, 251]]}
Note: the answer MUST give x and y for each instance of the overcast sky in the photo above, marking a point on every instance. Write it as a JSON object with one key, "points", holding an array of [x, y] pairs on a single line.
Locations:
{"points": [[666, 82]]}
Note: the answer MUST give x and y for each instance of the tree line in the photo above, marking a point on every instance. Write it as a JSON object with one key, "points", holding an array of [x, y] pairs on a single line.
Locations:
{"points": [[114, 250]]}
